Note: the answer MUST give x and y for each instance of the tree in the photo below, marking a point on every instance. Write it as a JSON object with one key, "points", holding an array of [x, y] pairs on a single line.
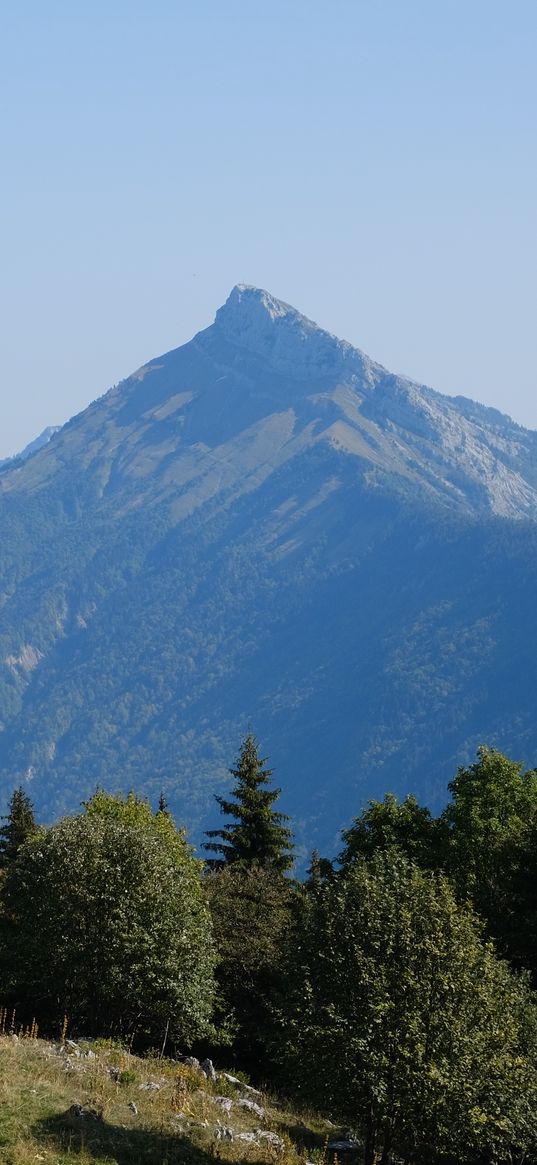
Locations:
{"points": [[110, 924], [20, 825], [258, 835], [492, 849], [318, 871], [251, 912], [162, 804], [485, 841], [399, 1020], [405, 825]]}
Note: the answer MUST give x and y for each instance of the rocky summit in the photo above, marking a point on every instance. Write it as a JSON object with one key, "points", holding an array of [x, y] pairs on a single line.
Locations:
{"points": [[265, 527]]}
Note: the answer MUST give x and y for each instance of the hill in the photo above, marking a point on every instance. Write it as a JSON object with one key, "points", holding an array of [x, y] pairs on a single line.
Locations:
{"points": [[99, 1102], [264, 526]]}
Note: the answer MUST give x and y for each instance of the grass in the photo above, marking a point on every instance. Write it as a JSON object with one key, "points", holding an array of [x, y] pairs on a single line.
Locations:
{"points": [[178, 1122]]}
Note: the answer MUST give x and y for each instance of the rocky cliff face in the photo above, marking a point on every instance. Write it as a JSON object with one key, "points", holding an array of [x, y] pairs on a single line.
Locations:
{"points": [[266, 525]]}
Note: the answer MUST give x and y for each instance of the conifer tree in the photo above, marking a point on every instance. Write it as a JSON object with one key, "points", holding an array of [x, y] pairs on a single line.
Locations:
{"points": [[20, 825], [258, 834], [319, 871], [163, 804]]}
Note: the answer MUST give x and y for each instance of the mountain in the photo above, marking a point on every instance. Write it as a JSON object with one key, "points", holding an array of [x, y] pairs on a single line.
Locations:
{"points": [[34, 445], [266, 527]]}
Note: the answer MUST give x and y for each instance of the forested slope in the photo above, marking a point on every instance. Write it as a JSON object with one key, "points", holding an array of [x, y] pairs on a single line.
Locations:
{"points": [[266, 527]]}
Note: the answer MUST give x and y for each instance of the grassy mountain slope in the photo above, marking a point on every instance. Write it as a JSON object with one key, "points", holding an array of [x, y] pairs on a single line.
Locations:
{"points": [[175, 1122]]}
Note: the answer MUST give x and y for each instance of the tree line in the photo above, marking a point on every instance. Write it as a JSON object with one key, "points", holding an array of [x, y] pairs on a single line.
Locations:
{"points": [[393, 987]]}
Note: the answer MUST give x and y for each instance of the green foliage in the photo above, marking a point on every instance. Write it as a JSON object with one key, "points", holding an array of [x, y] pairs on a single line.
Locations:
{"points": [[399, 1020], [127, 1076], [258, 835], [251, 912], [109, 923], [20, 825], [319, 870], [491, 855], [485, 840], [134, 811], [405, 825]]}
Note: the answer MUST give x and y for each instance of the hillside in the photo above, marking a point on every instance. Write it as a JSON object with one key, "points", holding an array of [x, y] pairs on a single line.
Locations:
{"points": [[264, 526], [99, 1102]]}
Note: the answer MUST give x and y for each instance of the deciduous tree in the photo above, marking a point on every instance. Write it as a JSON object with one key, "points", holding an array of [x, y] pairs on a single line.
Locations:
{"points": [[405, 825], [110, 922], [399, 1020], [492, 849]]}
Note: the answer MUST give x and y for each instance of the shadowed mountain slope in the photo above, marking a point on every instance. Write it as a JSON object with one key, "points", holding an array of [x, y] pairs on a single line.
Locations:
{"points": [[264, 525]]}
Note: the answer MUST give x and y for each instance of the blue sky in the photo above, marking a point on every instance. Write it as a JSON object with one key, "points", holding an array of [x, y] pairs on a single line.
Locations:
{"points": [[373, 162]]}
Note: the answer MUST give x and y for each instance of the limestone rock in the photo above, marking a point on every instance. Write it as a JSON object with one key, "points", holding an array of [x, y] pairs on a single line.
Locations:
{"points": [[251, 1106]]}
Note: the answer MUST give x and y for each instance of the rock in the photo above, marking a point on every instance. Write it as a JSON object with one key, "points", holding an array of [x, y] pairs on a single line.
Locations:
{"points": [[272, 1138], [114, 1073], [70, 1065], [250, 1138], [149, 1086], [207, 1067], [191, 1062], [225, 1102], [89, 1055], [133, 1108], [224, 1133], [252, 1091], [69, 1049], [230, 1079], [251, 1106]]}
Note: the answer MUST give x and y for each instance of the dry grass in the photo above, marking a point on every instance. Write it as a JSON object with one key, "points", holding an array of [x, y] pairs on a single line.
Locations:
{"points": [[178, 1121]]}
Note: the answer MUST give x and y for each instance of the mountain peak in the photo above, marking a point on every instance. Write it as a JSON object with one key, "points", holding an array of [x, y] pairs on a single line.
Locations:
{"points": [[254, 320], [246, 301]]}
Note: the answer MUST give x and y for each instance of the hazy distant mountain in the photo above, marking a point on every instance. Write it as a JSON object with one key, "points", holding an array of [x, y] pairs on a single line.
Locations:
{"points": [[264, 526], [38, 443]]}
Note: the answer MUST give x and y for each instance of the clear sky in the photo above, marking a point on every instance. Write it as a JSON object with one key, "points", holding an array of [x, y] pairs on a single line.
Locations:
{"points": [[372, 162]]}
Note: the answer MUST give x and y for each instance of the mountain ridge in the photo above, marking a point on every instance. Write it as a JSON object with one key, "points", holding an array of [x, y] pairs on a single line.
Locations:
{"points": [[258, 341]]}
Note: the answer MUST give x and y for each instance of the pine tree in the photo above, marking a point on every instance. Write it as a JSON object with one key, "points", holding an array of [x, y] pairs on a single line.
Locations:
{"points": [[258, 835], [20, 825], [163, 804], [319, 871]]}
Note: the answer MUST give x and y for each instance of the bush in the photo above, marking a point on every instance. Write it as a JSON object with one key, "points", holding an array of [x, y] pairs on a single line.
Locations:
{"points": [[109, 923]]}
